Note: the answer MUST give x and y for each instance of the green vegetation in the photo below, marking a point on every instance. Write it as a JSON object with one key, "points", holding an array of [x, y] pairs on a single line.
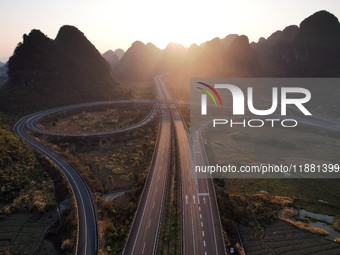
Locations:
{"points": [[307, 194], [170, 240], [92, 121], [28, 199], [254, 213], [256, 203], [114, 222], [25, 186], [30, 188]]}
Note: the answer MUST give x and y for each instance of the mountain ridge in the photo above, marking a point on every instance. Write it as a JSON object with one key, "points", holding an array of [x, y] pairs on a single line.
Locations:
{"points": [[70, 69], [44, 73], [113, 57], [308, 50]]}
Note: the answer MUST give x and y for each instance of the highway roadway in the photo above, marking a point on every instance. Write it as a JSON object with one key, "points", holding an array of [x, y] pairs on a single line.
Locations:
{"points": [[201, 230], [87, 241], [201, 225], [143, 237]]}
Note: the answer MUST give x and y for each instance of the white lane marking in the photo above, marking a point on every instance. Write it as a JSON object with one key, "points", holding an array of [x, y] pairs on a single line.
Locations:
{"points": [[199, 208], [200, 215], [204, 243], [186, 199], [201, 224], [204, 200], [143, 248], [198, 200], [203, 194], [149, 223], [153, 205], [205, 253], [203, 233], [194, 198]]}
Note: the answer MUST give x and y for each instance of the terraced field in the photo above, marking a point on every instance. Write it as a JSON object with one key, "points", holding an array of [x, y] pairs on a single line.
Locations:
{"points": [[23, 233], [285, 239]]}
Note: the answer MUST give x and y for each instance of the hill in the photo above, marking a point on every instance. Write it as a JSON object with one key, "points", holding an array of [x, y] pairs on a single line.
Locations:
{"points": [[111, 58], [119, 53], [242, 60], [310, 49], [139, 62], [3, 71], [208, 59], [45, 73], [231, 56]]}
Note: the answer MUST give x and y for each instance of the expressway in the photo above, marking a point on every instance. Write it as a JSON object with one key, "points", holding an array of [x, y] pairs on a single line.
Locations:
{"points": [[87, 241], [201, 225], [143, 237], [201, 230], [148, 217]]}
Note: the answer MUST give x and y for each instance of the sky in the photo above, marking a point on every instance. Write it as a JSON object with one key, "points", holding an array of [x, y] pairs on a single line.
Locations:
{"points": [[112, 24]]}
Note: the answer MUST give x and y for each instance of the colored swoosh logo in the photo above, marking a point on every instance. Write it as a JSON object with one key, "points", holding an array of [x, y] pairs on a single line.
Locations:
{"points": [[209, 90]]}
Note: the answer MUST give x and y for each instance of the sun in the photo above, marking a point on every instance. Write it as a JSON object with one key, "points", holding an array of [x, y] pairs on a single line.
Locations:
{"points": [[183, 22]]}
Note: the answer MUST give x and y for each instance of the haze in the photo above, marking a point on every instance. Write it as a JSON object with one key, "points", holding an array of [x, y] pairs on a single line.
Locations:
{"points": [[117, 24]]}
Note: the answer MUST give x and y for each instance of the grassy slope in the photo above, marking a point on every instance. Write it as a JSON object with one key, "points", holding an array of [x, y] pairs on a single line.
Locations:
{"points": [[26, 196], [25, 185]]}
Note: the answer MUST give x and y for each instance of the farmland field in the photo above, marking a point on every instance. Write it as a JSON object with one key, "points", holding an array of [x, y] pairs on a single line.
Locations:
{"points": [[283, 238], [23, 233]]}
